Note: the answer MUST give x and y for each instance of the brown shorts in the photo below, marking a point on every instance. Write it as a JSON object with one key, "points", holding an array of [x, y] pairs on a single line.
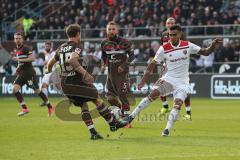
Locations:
{"points": [[29, 79], [78, 91], [117, 86]]}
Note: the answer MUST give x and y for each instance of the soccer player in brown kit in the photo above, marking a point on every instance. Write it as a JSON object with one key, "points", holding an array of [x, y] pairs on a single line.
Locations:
{"points": [[26, 75], [77, 83], [117, 53], [164, 39]]}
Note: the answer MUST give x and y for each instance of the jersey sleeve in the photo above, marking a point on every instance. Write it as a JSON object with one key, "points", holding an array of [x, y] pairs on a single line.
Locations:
{"points": [[26, 50], [193, 48], [159, 57]]}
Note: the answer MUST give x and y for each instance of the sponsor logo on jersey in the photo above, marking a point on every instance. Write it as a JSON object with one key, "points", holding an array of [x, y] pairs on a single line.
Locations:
{"points": [[77, 50]]}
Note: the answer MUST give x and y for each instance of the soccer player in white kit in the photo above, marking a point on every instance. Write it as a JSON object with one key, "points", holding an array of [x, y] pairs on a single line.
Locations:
{"points": [[176, 53], [50, 78]]}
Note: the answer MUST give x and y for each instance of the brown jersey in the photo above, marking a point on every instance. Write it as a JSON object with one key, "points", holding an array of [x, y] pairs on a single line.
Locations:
{"points": [[63, 55], [25, 72], [23, 52], [116, 52], [73, 84]]}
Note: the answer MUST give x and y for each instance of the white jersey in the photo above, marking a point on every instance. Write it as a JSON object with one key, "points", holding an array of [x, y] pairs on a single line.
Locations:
{"points": [[48, 56], [177, 60]]}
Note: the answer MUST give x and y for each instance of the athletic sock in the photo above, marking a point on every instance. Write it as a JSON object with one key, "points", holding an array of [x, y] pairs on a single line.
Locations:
{"points": [[143, 104], [86, 117], [45, 99], [105, 113], [20, 99], [173, 117], [188, 110], [164, 102], [45, 91]]}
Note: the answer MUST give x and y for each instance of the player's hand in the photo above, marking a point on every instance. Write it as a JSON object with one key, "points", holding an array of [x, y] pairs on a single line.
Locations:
{"points": [[14, 58], [89, 78], [120, 69], [140, 85], [216, 42]]}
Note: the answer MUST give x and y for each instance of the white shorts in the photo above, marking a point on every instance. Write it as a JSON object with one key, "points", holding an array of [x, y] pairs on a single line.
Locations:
{"points": [[166, 88], [51, 78]]}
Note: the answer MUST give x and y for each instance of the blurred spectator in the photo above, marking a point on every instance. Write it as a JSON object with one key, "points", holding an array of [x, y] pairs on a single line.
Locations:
{"points": [[139, 13], [27, 24], [228, 52], [8, 68]]}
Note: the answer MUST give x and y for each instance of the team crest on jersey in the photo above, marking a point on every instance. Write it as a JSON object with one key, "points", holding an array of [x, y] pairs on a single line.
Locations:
{"points": [[77, 50], [185, 51]]}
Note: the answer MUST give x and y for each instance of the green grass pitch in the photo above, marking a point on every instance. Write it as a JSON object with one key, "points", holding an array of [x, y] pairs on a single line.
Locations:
{"points": [[214, 133]]}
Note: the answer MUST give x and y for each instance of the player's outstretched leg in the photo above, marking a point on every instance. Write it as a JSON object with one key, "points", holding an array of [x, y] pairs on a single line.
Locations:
{"points": [[20, 99], [106, 114], [173, 116], [86, 117], [165, 108], [125, 108], [188, 115], [143, 104], [46, 101], [125, 113]]}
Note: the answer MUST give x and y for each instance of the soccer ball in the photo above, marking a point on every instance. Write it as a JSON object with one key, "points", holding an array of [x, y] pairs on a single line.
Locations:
{"points": [[116, 111]]}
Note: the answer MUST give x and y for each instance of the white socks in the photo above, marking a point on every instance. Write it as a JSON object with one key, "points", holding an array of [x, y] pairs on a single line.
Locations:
{"points": [[142, 105], [173, 117], [188, 108], [165, 103], [45, 91]]}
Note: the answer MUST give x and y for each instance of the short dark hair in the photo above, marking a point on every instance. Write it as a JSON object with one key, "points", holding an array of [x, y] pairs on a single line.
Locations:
{"points": [[112, 23], [72, 30], [18, 34], [176, 27]]}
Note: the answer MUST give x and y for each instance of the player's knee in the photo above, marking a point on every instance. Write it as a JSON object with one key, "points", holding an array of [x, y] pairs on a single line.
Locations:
{"points": [[154, 95], [178, 103], [44, 85], [110, 98], [16, 88], [36, 91]]}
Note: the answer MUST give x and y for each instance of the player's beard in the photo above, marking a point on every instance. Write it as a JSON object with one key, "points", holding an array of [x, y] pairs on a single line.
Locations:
{"points": [[47, 50], [19, 44], [112, 36]]}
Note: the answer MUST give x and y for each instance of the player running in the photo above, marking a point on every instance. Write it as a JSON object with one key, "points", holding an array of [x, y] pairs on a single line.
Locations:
{"points": [[52, 78], [26, 75], [117, 53], [164, 39], [176, 54], [77, 83]]}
